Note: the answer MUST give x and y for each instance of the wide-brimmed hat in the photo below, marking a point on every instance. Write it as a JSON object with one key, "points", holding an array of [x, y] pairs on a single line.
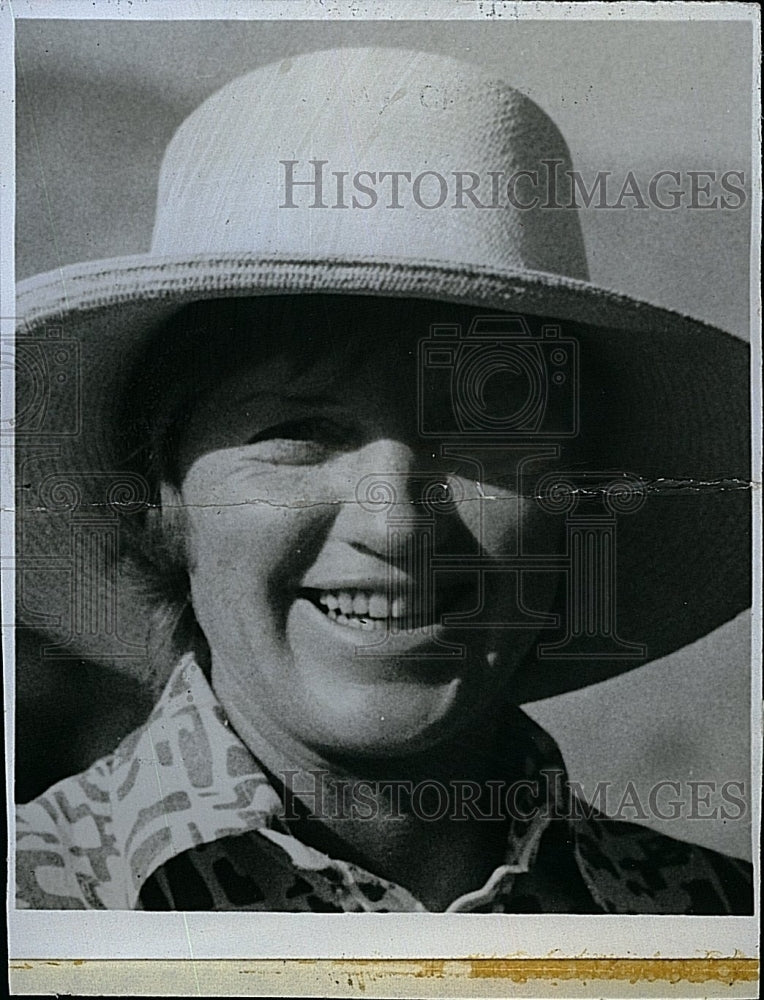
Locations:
{"points": [[388, 173]]}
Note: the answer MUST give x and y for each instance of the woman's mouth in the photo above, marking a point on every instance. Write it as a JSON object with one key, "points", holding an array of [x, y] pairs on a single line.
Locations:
{"points": [[368, 610], [375, 611]]}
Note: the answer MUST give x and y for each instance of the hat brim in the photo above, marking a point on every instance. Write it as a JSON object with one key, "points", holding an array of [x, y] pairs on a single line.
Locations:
{"points": [[100, 284], [673, 392]]}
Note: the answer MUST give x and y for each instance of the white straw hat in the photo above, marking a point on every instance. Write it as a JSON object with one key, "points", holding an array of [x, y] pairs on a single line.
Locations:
{"points": [[235, 218]]}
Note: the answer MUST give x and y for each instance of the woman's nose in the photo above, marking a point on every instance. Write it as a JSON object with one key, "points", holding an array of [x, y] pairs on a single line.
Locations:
{"points": [[400, 493]]}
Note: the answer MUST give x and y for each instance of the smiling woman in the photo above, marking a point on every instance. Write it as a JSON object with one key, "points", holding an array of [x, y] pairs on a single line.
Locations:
{"points": [[362, 441], [258, 470]]}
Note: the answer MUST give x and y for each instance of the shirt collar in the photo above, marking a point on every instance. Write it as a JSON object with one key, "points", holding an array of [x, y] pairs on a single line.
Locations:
{"points": [[205, 784], [184, 779]]}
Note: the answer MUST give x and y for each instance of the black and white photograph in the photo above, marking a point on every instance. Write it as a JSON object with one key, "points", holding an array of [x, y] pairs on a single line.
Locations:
{"points": [[381, 465]]}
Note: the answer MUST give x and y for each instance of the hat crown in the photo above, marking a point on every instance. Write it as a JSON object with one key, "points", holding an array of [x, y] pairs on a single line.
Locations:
{"points": [[371, 153]]}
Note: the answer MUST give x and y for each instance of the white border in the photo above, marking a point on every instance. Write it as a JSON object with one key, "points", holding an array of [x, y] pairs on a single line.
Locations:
{"points": [[757, 465], [7, 394], [381, 10], [117, 935]]}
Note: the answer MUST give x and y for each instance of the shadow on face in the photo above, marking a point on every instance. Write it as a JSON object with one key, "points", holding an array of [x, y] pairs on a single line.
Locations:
{"points": [[354, 497]]}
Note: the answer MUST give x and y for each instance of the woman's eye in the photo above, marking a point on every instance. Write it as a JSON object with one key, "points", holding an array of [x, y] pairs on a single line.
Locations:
{"points": [[300, 442]]}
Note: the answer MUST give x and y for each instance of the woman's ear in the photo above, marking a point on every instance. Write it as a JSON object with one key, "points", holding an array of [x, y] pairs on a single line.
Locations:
{"points": [[166, 531], [173, 629], [169, 497], [173, 525]]}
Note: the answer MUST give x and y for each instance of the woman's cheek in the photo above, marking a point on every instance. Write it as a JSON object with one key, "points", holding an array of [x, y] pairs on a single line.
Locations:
{"points": [[494, 517], [251, 551]]}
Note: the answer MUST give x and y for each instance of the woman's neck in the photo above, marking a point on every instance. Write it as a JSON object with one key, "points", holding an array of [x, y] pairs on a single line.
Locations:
{"points": [[423, 821]]}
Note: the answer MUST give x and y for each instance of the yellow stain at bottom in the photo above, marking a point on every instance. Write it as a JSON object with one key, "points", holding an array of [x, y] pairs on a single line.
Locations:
{"points": [[437, 978]]}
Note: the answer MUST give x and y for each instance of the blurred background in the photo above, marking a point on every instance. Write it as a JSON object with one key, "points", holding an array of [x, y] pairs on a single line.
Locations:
{"points": [[97, 103]]}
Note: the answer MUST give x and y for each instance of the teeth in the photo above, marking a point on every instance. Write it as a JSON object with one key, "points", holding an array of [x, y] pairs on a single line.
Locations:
{"points": [[378, 606], [360, 604], [362, 609], [374, 610], [345, 602]]}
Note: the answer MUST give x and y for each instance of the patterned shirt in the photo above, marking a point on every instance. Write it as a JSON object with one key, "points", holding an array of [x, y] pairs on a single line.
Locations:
{"points": [[181, 816]]}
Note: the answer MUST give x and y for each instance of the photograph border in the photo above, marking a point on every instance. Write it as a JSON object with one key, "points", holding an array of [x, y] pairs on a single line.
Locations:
{"points": [[724, 960]]}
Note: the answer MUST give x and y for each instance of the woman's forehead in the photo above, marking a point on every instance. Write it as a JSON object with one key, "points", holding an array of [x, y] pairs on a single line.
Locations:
{"points": [[304, 320], [224, 366], [312, 368], [324, 328], [299, 344]]}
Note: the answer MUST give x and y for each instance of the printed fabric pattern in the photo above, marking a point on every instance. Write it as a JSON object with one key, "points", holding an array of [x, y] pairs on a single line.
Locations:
{"points": [[181, 816]]}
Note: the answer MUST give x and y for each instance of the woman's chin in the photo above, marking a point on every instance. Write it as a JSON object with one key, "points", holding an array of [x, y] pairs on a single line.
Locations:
{"points": [[379, 718], [373, 693]]}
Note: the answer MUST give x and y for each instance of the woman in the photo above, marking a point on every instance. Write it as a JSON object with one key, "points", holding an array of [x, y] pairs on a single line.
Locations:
{"points": [[349, 550]]}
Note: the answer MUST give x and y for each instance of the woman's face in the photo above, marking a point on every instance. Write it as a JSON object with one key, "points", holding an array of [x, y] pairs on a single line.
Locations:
{"points": [[326, 609]]}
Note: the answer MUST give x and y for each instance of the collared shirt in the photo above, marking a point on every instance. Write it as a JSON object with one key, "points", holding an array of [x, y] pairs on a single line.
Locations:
{"points": [[181, 816]]}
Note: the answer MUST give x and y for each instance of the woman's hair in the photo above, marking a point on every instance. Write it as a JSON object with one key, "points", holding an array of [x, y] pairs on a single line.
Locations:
{"points": [[191, 353], [187, 356]]}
